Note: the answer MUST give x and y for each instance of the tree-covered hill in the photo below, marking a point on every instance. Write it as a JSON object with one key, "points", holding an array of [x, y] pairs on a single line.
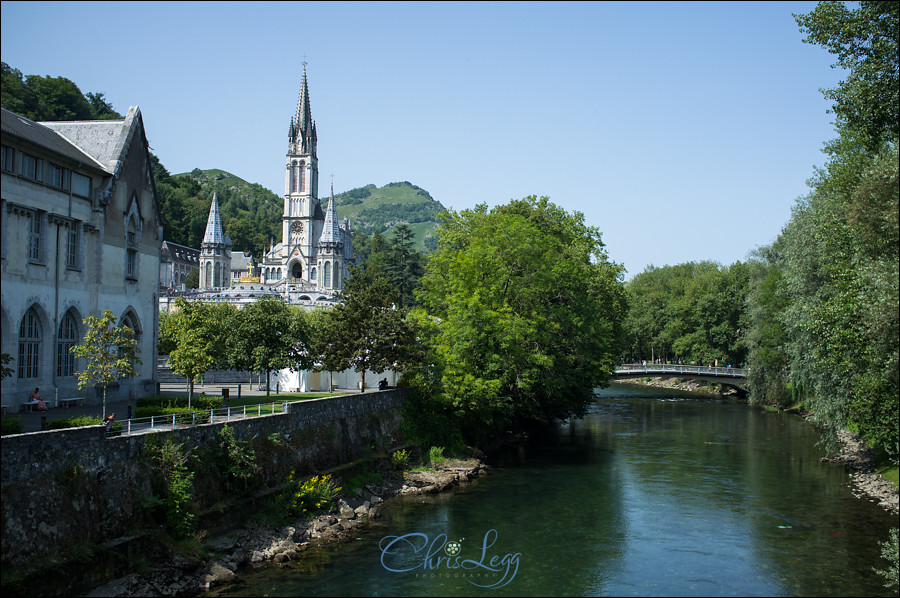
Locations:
{"points": [[251, 214], [380, 209]]}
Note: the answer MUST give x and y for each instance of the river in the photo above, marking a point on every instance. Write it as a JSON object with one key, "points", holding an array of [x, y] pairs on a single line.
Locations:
{"points": [[653, 493]]}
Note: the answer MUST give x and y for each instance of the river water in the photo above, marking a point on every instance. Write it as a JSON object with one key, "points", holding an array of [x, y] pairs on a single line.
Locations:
{"points": [[653, 493]]}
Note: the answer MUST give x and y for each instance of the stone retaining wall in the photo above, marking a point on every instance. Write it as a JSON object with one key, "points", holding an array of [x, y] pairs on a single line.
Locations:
{"points": [[62, 488]]}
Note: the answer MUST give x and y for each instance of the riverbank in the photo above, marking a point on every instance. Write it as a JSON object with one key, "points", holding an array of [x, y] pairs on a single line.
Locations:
{"points": [[859, 459], [258, 545], [706, 388], [865, 483]]}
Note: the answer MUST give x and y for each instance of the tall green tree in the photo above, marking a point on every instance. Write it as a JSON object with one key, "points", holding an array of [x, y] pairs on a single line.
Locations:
{"points": [[405, 265], [196, 338], [260, 339], [110, 351], [864, 40], [529, 312], [368, 331], [833, 271]]}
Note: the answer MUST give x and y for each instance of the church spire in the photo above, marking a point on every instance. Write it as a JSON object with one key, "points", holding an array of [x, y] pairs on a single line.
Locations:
{"points": [[302, 132], [331, 232], [214, 234]]}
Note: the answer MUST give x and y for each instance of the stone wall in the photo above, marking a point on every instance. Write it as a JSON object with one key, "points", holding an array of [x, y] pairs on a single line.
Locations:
{"points": [[63, 488]]}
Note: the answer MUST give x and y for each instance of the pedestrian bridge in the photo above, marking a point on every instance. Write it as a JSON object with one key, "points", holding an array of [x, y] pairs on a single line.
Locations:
{"points": [[736, 377]]}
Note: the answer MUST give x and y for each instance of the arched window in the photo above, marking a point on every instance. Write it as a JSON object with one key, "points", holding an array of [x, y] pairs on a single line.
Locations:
{"points": [[337, 276], [295, 177], [66, 338], [29, 345], [131, 245], [301, 175], [217, 282], [327, 280], [312, 274]]}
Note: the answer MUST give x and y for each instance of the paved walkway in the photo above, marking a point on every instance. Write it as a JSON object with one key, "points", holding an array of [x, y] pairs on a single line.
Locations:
{"points": [[31, 420]]}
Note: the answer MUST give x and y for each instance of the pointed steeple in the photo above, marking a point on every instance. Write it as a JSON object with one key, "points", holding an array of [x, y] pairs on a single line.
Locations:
{"points": [[214, 234], [331, 232], [302, 132]]}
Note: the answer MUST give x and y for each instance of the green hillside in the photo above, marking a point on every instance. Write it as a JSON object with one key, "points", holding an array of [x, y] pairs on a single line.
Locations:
{"points": [[380, 209], [251, 214]]}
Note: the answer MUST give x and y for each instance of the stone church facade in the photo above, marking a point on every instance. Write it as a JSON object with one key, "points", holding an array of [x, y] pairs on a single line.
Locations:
{"points": [[316, 249], [81, 234]]}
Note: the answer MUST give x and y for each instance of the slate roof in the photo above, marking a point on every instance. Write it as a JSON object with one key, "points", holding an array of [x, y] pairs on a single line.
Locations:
{"points": [[47, 137]]}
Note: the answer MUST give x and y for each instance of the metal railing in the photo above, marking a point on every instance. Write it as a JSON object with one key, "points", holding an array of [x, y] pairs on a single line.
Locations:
{"points": [[694, 370], [171, 421]]}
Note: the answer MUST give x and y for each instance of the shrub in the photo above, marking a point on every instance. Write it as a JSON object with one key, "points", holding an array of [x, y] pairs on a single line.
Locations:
{"points": [[436, 456], [73, 422], [400, 459], [890, 551], [10, 425], [306, 498]]}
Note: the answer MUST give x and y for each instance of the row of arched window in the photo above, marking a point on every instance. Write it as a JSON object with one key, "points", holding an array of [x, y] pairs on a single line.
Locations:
{"points": [[33, 338], [332, 275]]}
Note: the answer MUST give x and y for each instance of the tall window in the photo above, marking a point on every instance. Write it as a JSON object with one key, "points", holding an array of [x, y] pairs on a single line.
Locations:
{"points": [[31, 167], [34, 236], [71, 248], [295, 177], [131, 250], [67, 338], [57, 176], [327, 280], [7, 158], [29, 345], [301, 174]]}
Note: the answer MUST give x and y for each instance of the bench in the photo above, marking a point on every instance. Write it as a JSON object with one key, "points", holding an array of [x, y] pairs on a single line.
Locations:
{"points": [[68, 402], [29, 405]]}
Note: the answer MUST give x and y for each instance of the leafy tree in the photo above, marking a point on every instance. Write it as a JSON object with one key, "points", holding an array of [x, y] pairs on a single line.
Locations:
{"points": [[528, 310], [100, 108], [831, 285], [259, 337], [864, 40], [192, 280], [110, 351], [405, 265], [323, 355], [195, 336], [367, 330], [689, 313], [5, 372]]}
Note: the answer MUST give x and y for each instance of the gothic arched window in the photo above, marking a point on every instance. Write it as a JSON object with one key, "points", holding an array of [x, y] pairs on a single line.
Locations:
{"points": [[302, 177], [29, 345], [327, 280], [295, 177], [66, 338]]}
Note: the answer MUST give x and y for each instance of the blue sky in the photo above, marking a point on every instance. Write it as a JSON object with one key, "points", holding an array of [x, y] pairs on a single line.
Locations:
{"points": [[684, 131]]}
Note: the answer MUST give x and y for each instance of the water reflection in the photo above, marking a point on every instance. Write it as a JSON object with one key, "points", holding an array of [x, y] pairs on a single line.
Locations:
{"points": [[652, 493]]}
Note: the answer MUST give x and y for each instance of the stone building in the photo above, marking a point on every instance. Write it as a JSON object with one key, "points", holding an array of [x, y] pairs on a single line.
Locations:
{"points": [[81, 234], [176, 262], [316, 249]]}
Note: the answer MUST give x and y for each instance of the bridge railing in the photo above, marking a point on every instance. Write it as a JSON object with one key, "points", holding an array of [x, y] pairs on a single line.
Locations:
{"points": [[665, 368]]}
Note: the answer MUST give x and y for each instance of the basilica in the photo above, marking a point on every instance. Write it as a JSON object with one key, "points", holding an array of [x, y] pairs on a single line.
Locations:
{"points": [[315, 248]]}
